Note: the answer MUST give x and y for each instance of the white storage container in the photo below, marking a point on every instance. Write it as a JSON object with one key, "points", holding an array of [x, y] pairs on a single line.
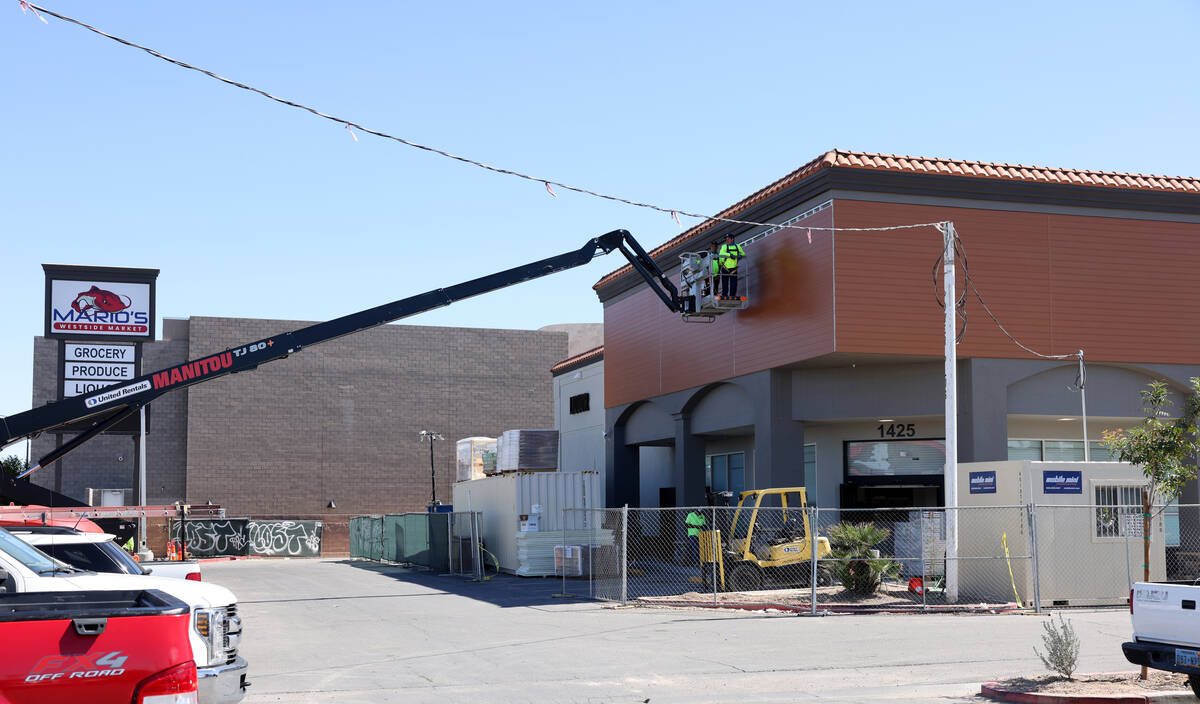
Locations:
{"points": [[504, 498], [473, 457], [1082, 560]]}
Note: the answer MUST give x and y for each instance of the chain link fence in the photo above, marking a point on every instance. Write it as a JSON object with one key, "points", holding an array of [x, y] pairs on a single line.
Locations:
{"points": [[447, 543], [1090, 555], [814, 559], [810, 560]]}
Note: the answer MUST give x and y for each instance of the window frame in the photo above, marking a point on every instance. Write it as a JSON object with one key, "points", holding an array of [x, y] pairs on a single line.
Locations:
{"points": [[1124, 509], [930, 479], [708, 470], [1094, 445], [586, 403]]}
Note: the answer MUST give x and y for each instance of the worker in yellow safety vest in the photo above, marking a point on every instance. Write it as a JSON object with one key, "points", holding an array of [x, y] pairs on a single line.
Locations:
{"points": [[695, 523], [728, 257]]}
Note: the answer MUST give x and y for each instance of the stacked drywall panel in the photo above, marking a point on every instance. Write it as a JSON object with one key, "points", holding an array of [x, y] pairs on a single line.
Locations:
{"points": [[527, 450], [473, 457], [505, 498]]}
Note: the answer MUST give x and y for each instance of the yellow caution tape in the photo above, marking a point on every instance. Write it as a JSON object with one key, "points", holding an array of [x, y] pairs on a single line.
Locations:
{"points": [[1004, 542]]}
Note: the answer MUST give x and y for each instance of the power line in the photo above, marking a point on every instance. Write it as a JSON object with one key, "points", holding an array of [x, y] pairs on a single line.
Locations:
{"points": [[549, 183], [958, 247], [351, 125]]}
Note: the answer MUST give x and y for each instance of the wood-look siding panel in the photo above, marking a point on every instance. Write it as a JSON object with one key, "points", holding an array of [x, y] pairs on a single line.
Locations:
{"points": [[649, 350], [1116, 288], [1125, 291]]}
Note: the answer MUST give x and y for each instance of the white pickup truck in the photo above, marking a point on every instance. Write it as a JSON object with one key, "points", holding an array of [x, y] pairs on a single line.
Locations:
{"points": [[215, 631], [1166, 630], [99, 552]]}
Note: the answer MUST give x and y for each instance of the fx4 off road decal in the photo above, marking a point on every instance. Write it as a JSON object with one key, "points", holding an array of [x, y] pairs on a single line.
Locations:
{"points": [[71, 667]]}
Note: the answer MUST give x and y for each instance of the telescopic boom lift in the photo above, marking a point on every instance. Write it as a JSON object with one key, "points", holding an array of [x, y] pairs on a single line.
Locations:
{"points": [[108, 406]]}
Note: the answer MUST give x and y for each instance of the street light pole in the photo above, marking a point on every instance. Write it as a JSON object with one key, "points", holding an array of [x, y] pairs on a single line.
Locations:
{"points": [[431, 436]]}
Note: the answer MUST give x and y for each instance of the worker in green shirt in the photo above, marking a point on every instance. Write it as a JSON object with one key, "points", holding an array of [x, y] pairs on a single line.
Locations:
{"points": [[695, 522], [728, 257]]}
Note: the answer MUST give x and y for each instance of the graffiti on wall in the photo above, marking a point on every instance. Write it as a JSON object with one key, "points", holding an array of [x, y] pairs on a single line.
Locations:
{"points": [[290, 538], [241, 536], [212, 536]]}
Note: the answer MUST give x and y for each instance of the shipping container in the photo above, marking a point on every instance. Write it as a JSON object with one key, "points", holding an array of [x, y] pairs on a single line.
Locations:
{"points": [[505, 498]]}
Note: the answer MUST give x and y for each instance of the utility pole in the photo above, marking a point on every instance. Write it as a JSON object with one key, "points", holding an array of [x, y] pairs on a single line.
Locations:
{"points": [[951, 472], [430, 436]]}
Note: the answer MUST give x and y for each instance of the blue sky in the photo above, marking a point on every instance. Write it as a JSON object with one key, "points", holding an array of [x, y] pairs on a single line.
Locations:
{"points": [[251, 209]]}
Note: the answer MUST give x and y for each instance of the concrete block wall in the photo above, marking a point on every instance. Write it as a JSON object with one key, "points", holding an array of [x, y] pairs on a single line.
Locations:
{"points": [[340, 421], [337, 422]]}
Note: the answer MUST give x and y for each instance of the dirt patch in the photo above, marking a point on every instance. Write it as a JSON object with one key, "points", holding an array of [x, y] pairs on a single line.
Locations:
{"points": [[1109, 683], [888, 596]]}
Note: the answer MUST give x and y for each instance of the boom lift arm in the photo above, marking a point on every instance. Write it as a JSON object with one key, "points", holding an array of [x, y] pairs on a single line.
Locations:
{"points": [[110, 405]]}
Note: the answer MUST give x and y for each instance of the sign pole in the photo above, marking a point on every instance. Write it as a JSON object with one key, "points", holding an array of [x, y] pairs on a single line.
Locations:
{"points": [[143, 549], [951, 471]]}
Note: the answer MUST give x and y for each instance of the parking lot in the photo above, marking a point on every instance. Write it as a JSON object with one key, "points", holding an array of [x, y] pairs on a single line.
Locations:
{"points": [[345, 631]]}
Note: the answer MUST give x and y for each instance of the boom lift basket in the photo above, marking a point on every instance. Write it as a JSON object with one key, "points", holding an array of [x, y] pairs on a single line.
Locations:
{"points": [[697, 281]]}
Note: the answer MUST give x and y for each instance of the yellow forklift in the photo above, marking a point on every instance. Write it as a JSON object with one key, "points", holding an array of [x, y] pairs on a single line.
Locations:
{"points": [[770, 544]]}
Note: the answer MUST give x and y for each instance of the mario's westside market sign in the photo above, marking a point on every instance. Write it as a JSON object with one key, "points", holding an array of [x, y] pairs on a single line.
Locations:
{"points": [[100, 303]]}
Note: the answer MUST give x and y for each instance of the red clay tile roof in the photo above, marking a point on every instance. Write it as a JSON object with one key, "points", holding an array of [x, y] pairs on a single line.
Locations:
{"points": [[925, 165], [579, 360]]}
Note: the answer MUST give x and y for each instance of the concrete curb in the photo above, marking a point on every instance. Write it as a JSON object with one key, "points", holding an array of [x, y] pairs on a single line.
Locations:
{"points": [[993, 690], [229, 558]]}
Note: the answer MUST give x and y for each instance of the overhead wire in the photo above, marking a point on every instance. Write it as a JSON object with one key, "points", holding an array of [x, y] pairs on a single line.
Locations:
{"points": [[352, 125], [960, 303], [958, 247]]}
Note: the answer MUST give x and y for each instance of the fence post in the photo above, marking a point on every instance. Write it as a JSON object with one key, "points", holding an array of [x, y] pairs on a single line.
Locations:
{"points": [[924, 577], [814, 556], [1128, 572], [1037, 569], [714, 550], [564, 551], [591, 554], [624, 554]]}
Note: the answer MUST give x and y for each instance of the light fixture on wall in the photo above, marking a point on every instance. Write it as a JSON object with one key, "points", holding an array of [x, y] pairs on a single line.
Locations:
{"points": [[331, 504]]}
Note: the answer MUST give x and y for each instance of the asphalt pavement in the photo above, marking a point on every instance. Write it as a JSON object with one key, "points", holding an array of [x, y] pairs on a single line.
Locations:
{"points": [[345, 632]]}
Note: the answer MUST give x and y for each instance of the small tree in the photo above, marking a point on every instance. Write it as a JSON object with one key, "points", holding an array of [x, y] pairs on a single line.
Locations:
{"points": [[1165, 448], [12, 465], [858, 568], [1062, 647]]}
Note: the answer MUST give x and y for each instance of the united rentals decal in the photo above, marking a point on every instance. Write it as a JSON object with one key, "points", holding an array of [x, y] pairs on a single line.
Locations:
{"points": [[85, 308], [110, 394]]}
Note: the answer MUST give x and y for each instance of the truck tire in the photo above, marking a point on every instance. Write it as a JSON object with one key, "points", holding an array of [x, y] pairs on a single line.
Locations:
{"points": [[1194, 681], [746, 578]]}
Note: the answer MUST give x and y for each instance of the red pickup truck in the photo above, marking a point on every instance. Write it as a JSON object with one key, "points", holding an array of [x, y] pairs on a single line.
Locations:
{"points": [[95, 646]]}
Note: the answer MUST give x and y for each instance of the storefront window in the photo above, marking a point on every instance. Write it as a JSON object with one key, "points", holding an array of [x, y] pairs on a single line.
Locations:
{"points": [[726, 472], [1025, 450], [895, 458], [1057, 451], [1063, 450]]}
